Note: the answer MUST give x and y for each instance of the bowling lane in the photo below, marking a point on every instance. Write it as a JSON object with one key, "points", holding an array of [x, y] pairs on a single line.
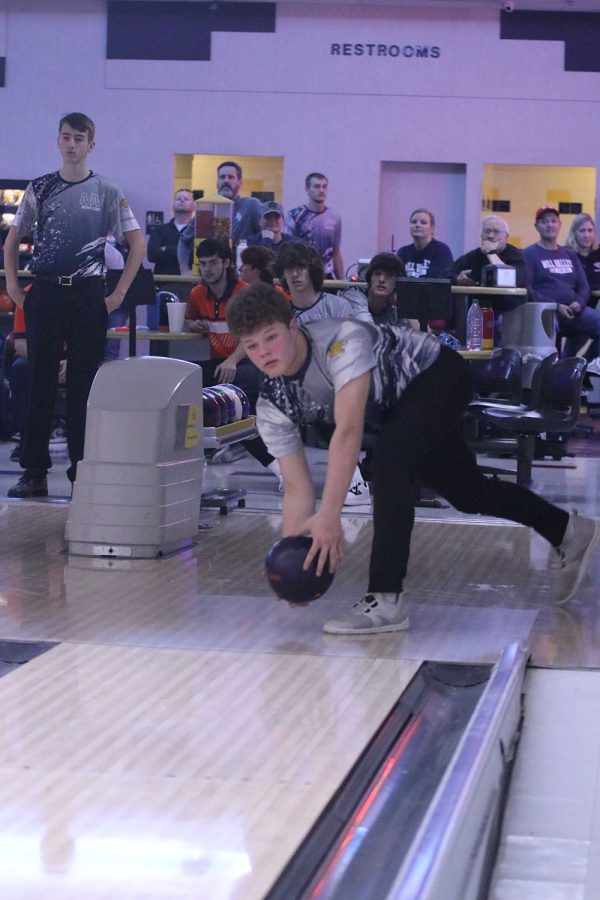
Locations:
{"points": [[214, 596], [135, 772]]}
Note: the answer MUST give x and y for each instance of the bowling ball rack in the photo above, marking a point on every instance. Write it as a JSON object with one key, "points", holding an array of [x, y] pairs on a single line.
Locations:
{"points": [[217, 438]]}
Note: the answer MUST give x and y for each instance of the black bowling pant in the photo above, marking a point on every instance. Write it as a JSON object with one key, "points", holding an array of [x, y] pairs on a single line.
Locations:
{"points": [[55, 315], [422, 441]]}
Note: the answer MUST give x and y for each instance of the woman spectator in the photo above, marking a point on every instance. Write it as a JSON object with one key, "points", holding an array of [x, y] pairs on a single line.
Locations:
{"points": [[582, 239], [426, 257]]}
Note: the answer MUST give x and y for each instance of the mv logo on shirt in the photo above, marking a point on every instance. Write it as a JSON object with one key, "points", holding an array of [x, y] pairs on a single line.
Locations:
{"points": [[558, 266], [91, 201]]}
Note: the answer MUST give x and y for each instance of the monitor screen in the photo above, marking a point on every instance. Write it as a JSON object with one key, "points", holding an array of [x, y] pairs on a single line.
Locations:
{"points": [[141, 291], [424, 299]]}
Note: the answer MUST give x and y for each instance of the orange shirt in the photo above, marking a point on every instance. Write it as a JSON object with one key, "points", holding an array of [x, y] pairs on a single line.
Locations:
{"points": [[19, 322], [202, 306]]}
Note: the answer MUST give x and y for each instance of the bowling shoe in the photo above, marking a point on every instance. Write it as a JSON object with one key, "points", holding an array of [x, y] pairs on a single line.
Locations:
{"points": [[29, 487], [571, 559], [374, 614], [358, 492]]}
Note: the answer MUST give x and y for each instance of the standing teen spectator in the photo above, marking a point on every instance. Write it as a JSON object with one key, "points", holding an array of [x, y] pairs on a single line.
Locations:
{"points": [[426, 257], [73, 210], [319, 225]]}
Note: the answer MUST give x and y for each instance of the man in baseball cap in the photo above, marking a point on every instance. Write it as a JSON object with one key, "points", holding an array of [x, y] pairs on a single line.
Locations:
{"points": [[554, 274], [546, 209], [272, 217]]}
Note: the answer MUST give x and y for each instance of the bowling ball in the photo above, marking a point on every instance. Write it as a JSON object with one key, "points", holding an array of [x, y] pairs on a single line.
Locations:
{"points": [[287, 577], [236, 400], [222, 392], [224, 411], [211, 411], [243, 397]]}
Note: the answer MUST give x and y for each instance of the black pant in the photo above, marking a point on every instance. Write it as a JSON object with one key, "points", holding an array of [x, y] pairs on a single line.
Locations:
{"points": [[55, 316], [422, 439]]}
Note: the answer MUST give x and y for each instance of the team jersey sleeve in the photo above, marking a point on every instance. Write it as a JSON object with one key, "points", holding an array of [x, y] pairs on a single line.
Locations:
{"points": [[280, 434], [122, 216], [350, 354], [26, 215]]}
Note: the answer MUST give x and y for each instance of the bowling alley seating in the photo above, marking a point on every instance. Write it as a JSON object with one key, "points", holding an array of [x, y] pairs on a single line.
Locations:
{"points": [[531, 329], [541, 426]]}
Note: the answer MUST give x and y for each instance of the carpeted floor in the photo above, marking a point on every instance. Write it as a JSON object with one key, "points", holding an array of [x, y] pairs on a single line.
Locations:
{"points": [[585, 440]]}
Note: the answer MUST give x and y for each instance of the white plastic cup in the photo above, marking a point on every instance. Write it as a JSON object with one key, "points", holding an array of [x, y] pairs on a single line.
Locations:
{"points": [[176, 314]]}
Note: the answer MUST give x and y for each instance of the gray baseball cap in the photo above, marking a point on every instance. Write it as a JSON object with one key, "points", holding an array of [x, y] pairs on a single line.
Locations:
{"points": [[272, 207]]}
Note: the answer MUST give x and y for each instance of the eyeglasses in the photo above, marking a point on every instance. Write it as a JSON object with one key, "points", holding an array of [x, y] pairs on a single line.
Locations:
{"points": [[494, 231]]}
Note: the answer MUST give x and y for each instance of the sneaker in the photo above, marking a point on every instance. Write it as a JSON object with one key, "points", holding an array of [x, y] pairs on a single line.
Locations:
{"points": [[58, 435], [29, 487], [572, 557], [593, 367], [358, 492], [374, 614]]}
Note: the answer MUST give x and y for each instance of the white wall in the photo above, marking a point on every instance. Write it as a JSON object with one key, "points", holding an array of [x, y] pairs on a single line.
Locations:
{"points": [[482, 101]]}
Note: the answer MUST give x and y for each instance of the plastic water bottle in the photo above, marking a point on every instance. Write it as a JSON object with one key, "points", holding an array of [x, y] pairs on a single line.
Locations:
{"points": [[240, 249], [474, 327]]}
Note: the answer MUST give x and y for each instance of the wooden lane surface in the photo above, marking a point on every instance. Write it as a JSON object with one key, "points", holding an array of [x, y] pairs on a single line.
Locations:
{"points": [[135, 772]]}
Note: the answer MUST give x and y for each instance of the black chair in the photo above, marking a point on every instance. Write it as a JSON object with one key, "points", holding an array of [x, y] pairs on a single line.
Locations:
{"points": [[141, 292], [553, 408], [499, 377]]}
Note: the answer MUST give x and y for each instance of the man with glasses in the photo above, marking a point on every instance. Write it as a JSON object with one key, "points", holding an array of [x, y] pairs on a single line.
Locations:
{"points": [[494, 243]]}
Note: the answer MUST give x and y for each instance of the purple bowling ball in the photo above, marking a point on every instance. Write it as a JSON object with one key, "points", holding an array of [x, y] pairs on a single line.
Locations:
{"points": [[224, 412], [243, 398], [211, 411], [287, 577]]}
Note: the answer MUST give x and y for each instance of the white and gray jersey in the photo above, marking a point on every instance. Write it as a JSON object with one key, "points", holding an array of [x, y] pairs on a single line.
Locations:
{"points": [[359, 301], [338, 352], [71, 221], [326, 306]]}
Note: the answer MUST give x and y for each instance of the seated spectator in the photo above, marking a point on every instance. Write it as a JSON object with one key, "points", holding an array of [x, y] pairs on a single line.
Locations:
{"points": [[207, 306], [378, 303], [300, 269], [426, 257], [272, 234], [257, 264], [583, 240], [555, 275], [494, 249]]}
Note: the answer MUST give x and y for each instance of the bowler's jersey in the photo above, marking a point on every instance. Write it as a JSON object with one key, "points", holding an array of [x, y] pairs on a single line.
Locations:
{"points": [[339, 351], [72, 220]]}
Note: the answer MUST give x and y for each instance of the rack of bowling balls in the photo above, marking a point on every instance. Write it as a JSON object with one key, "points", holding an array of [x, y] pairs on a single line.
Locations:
{"points": [[226, 416]]}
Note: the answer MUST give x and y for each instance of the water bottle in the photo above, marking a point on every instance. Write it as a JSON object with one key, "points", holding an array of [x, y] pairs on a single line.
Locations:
{"points": [[240, 249], [474, 327]]}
